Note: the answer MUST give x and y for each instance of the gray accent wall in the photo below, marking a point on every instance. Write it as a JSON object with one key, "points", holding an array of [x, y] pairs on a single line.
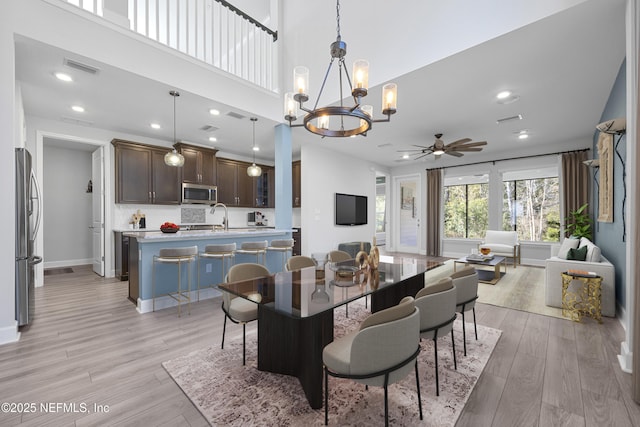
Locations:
{"points": [[609, 236], [66, 206]]}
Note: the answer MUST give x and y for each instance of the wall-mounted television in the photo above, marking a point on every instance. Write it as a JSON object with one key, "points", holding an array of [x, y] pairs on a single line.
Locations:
{"points": [[351, 209]]}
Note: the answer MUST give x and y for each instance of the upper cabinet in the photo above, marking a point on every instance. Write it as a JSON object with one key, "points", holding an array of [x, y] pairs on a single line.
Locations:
{"points": [[296, 188], [142, 176], [199, 164], [264, 188], [235, 187]]}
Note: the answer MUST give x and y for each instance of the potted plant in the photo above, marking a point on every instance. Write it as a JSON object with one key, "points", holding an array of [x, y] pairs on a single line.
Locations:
{"points": [[579, 223]]}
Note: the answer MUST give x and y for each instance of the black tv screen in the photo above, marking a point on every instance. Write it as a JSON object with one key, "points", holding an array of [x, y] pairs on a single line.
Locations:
{"points": [[351, 209]]}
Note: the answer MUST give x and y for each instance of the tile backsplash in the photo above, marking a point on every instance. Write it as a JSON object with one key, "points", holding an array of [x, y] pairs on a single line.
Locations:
{"points": [[193, 216]]}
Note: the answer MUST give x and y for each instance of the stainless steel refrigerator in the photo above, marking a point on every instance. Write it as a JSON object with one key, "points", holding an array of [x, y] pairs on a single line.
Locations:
{"points": [[28, 213]]}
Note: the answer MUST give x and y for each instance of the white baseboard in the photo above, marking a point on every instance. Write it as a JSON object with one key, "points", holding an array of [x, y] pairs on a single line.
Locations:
{"points": [[9, 334], [625, 358], [146, 305], [67, 263]]}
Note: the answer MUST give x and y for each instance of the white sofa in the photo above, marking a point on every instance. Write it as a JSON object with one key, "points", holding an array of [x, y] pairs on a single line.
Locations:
{"points": [[594, 262], [503, 243]]}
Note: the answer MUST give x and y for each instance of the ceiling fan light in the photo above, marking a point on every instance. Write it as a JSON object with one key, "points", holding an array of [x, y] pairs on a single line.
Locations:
{"points": [[438, 152]]}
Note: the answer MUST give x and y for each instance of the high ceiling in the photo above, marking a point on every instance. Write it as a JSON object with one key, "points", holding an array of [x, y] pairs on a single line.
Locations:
{"points": [[562, 68]]}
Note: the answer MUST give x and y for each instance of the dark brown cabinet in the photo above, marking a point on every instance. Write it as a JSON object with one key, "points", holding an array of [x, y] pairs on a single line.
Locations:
{"points": [[297, 241], [264, 188], [199, 164], [296, 189], [142, 176], [121, 255], [235, 187]]}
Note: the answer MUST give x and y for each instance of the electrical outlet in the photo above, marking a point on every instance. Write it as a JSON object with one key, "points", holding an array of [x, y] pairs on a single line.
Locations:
{"points": [[208, 267]]}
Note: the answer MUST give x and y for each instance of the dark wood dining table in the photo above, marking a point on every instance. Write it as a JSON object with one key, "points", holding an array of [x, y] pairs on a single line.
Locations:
{"points": [[295, 311]]}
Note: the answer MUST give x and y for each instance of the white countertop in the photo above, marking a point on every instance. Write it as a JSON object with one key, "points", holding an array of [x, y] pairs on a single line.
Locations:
{"points": [[147, 236]]}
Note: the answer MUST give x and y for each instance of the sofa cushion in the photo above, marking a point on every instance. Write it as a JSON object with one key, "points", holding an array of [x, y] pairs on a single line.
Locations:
{"points": [[579, 254], [593, 252], [568, 243]]}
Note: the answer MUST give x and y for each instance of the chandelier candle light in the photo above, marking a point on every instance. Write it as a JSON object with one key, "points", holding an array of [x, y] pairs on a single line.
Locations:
{"points": [[338, 120], [173, 158], [254, 170]]}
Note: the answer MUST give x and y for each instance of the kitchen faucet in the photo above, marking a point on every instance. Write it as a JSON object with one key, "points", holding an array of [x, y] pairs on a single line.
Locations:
{"points": [[225, 220]]}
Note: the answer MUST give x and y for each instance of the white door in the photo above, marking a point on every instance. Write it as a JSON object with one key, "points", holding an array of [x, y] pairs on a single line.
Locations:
{"points": [[407, 212], [97, 223]]}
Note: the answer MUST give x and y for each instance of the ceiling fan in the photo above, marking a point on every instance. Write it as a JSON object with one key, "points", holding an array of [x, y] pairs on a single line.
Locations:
{"points": [[439, 148]]}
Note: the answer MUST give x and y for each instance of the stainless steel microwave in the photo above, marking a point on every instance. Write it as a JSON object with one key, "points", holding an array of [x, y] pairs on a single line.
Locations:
{"points": [[199, 194]]}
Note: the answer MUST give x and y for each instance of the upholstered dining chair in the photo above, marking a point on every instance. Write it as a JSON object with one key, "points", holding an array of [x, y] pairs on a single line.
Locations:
{"points": [[298, 262], [466, 284], [338, 256], [437, 304], [240, 310], [379, 353]]}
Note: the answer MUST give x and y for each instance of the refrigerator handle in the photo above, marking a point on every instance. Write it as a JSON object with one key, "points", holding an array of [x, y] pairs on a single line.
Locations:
{"points": [[38, 199]]}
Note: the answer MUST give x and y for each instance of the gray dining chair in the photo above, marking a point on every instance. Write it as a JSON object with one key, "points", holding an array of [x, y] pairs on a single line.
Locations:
{"points": [[379, 353], [437, 304], [240, 310], [466, 284], [298, 262]]}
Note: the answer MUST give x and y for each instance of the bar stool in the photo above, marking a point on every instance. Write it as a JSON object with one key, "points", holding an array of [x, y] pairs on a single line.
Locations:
{"points": [[222, 252], [175, 256], [254, 248], [284, 246]]}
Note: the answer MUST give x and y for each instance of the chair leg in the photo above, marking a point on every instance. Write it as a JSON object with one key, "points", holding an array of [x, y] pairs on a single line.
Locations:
{"points": [[435, 353], [453, 350], [326, 396], [244, 339], [418, 388], [224, 329], [179, 287], [475, 326], [464, 335], [386, 406]]}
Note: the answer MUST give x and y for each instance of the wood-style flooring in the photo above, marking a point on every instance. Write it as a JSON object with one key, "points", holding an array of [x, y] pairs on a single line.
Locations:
{"points": [[88, 345]]}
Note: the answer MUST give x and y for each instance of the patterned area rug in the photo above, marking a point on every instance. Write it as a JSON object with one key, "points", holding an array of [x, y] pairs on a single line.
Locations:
{"points": [[227, 393]]}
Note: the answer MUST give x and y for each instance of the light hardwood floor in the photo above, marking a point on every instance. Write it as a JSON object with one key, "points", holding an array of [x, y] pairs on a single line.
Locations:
{"points": [[88, 345]]}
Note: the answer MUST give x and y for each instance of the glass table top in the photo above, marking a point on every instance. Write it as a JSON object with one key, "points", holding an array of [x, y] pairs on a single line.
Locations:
{"points": [[301, 294]]}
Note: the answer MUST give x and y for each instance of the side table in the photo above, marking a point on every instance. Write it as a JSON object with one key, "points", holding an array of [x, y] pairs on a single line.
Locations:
{"points": [[586, 301]]}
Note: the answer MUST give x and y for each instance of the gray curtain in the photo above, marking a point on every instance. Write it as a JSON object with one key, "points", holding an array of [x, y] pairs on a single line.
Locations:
{"points": [[434, 205], [575, 178]]}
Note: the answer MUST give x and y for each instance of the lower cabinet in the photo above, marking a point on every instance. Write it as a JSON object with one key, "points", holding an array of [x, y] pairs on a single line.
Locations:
{"points": [[297, 241], [122, 255]]}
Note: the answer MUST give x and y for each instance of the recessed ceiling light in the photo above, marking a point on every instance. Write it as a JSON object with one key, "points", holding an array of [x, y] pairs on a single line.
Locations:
{"points": [[405, 156], [77, 108], [213, 139], [64, 77], [504, 94], [523, 136], [214, 112], [256, 148], [155, 125]]}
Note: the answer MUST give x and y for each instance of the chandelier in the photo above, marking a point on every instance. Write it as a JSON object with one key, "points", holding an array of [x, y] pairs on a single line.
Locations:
{"points": [[254, 170], [338, 120], [173, 158]]}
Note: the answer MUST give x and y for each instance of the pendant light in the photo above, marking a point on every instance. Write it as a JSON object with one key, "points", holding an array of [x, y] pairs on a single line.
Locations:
{"points": [[254, 170], [173, 158]]}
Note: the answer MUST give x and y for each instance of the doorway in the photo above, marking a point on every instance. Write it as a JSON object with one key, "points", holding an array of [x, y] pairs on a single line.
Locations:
{"points": [[407, 211], [71, 206]]}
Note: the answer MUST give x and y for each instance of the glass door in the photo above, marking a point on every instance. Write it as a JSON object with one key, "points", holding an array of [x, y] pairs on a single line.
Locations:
{"points": [[407, 209]]}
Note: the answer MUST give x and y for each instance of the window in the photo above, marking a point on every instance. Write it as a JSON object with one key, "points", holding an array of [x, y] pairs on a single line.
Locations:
{"points": [[380, 204], [466, 210], [532, 208]]}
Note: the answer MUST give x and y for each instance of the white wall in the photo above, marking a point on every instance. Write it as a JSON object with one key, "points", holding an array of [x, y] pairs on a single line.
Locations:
{"points": [[323, 174], [66, 207]]}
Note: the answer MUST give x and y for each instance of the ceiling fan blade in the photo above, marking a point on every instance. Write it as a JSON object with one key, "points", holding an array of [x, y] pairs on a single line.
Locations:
{"points": [[474, 144], [453, 153], [421, 156], [468, 149], [458, 142], [421, 146]]}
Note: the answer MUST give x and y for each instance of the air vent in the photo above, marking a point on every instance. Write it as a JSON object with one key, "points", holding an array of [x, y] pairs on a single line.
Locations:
{"points": [[76, 121], [388, 144], [235, 115], [80, 66], [209, 128], [508, 119]]}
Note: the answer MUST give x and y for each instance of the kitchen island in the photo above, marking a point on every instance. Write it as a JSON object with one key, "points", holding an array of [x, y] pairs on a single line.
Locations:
{"points": [[144, 245]]}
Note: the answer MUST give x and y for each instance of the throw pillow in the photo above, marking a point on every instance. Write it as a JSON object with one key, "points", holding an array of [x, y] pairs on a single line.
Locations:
{"points": [[579, 254], [567, 244]]}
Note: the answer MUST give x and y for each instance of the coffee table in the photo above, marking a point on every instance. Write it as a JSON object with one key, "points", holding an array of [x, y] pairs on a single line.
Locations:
{"points": [[485, 276]]}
